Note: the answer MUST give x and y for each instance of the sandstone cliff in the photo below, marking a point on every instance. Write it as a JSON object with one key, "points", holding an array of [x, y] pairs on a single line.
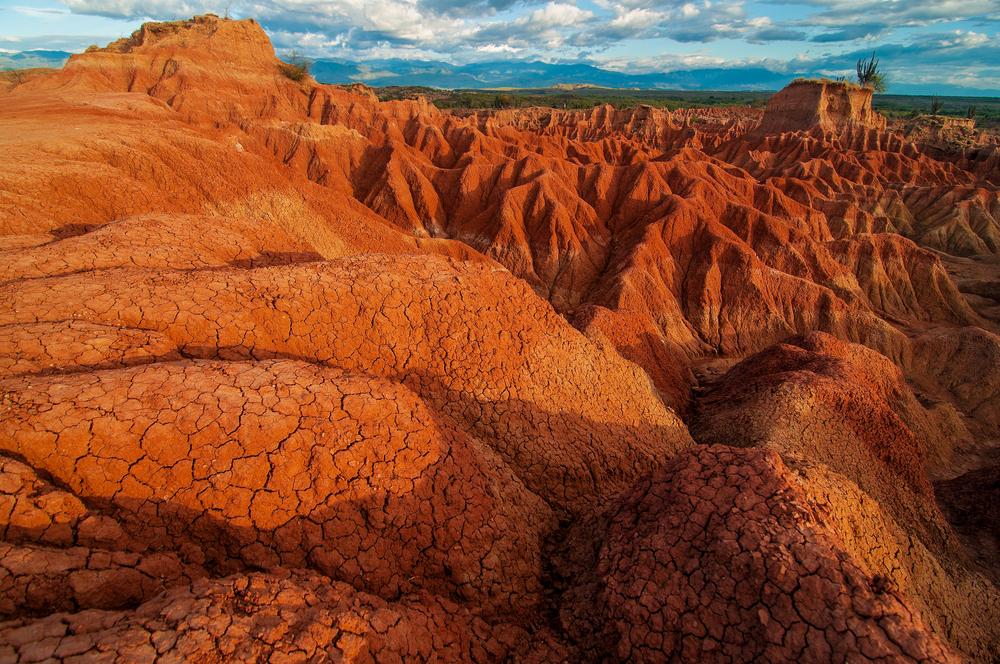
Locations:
{"points": [[829, 105]]}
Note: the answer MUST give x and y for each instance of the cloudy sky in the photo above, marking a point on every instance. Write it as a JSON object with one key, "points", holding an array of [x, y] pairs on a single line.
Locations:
{"points": [[920, 41]]}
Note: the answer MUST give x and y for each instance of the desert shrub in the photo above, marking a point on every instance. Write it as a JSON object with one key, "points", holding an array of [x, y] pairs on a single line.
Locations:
{"points": [[936, 106], [296, 68], [13, 77]]}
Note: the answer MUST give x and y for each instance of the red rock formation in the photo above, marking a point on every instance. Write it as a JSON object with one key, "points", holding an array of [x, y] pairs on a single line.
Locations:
{"points": [[829, 105], [289, 372]]}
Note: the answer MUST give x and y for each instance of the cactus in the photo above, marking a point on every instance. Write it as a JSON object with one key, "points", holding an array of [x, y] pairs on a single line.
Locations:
{"points": [[869, 74]]}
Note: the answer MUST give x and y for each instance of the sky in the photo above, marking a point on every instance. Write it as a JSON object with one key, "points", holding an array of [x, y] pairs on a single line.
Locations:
{"points": [[956, 42]]}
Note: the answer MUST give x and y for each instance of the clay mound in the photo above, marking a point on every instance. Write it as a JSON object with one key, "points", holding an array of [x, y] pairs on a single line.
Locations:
{"points": [[849, 412], [276, 616], [181, 242], [67, 346], [719, 557], [951, 594], [829, 105], [473, 341], [840, 405], [283, 463], [965, 364]]}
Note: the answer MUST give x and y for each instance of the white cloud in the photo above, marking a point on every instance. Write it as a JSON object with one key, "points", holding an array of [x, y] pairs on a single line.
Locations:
{"points": [[558, 14], [498, 49], [466, 30], [637, 19]]}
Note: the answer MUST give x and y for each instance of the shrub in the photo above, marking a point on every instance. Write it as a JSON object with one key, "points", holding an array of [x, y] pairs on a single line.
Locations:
{"points": [[869, 74], [936, 106], [14, 77], [296, 68]]}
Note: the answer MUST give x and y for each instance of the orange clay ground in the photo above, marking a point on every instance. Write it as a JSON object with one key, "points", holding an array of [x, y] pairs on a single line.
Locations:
{"points": [[289, 374]]}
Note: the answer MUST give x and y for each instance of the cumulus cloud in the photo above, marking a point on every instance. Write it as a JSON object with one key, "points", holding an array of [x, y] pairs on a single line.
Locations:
{"points": [[954, 36], [896, 13], [142, 8]]}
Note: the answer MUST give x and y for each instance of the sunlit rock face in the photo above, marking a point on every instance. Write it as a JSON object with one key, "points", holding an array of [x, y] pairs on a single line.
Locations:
{"points": [[829, 105]]}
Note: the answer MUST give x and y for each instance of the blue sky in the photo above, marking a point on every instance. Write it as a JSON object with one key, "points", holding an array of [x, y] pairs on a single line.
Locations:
{"points": [[920, 41]]}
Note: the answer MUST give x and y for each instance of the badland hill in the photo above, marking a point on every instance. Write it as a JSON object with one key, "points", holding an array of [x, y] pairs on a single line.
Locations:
{"points": [[290, 374]]}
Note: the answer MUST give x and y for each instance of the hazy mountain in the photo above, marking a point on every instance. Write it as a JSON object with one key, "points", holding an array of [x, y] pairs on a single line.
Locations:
{"points": [[33, 58], [535, 74]]}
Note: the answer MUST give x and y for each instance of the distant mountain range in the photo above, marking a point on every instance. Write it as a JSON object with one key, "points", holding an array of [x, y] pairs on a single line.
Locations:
{"points": [[534, 74], [531, 74], [29, 59]]}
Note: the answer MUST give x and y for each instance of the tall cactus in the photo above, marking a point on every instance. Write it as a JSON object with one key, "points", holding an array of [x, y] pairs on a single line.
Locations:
{"points": [[869, 75]]}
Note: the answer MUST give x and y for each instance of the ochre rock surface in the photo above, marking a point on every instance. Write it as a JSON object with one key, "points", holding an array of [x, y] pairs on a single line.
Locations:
{"points": [[828, 105], [718, 556], [278, 616], [285, 463], [291, 374], [849, 409]]}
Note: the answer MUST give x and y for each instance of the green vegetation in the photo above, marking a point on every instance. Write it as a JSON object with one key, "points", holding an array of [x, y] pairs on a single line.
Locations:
{"points": [[579, 98], [840, 80], [936, 106], [869, 74], [987, 109], [296, 68]]}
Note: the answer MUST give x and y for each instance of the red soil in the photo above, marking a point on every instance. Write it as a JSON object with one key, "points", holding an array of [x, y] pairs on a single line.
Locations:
{"points": [[287, 372]]}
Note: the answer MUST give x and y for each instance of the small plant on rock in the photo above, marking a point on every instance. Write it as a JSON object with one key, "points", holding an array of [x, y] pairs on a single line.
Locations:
{"points": [[296, 68]]}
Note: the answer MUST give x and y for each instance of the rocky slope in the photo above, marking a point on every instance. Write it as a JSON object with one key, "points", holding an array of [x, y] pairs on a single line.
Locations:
{"points": [[287, 372]]}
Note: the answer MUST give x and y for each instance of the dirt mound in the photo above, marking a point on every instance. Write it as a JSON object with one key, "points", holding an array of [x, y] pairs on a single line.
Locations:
{"points": [[473, 341], [279, 463], [848, 411], [965, 364], [838, 404], [271, 616], [719, 557]]}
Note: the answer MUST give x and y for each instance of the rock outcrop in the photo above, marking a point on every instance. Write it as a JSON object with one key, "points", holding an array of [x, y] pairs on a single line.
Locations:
{"points": [[830, 106]]}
